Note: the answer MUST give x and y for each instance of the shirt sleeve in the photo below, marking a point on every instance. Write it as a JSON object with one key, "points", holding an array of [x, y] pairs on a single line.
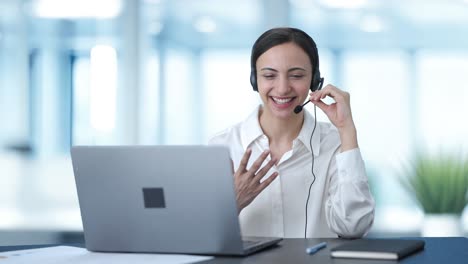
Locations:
{"points": [[350, 206]]}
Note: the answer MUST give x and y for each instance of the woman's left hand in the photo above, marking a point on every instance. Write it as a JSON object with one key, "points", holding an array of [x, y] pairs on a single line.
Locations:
{"points": [[338, 112]]}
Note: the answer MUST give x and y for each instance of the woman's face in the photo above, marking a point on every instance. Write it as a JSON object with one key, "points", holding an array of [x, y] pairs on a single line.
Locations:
{"points": [[284, 75]]}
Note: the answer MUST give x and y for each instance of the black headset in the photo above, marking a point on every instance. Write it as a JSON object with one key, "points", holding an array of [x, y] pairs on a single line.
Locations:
{"points": [[317, 80]]}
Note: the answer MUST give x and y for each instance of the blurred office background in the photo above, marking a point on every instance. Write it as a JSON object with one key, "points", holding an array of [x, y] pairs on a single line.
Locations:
{"points": [[106, 72]]}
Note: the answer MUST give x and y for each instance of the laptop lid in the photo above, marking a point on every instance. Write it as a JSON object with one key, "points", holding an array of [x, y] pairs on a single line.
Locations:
{"points": [[172, 199]]}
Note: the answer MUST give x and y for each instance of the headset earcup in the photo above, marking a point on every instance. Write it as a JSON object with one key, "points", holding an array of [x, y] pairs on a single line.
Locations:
{"points": [[315, 81], [253, 80]]}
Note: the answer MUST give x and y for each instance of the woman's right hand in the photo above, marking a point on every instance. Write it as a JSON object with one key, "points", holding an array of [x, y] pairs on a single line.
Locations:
{"points": [[247, 181]]}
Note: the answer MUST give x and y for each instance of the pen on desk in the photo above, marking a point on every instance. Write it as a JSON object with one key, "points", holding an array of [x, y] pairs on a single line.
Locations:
{"points": [[313, 249]]}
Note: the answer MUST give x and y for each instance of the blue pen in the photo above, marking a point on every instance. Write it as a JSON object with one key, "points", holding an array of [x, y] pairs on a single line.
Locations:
{"points": [[314, 249]]}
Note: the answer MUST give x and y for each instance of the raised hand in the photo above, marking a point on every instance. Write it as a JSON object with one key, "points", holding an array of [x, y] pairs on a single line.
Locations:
{"points": [[247, 181], [339, 113]]}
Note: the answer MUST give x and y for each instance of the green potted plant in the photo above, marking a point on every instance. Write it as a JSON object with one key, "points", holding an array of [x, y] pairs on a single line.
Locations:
{"points": [[439, 184]]}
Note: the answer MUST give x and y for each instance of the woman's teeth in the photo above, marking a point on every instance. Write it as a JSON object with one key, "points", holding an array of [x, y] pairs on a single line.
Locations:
{"points": [[282, 100]]}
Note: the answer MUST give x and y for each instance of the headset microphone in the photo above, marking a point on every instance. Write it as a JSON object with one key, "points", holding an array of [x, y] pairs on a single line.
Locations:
{"points": [[298, 108], [316, 85]]}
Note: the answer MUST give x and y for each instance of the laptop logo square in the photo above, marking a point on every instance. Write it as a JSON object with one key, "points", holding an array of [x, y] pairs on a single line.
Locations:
{"points": [[154, 198]]}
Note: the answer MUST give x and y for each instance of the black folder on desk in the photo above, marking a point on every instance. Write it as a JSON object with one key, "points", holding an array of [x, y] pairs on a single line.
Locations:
{"points": [[388, 249]]}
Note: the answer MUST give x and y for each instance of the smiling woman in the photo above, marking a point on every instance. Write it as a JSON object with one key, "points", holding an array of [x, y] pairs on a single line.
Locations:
{"points": [[273, 186], [176, 72], [284, 78]]}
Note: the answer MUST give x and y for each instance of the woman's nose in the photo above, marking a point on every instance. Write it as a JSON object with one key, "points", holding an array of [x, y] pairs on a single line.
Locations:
{"points": [[283, 85]]}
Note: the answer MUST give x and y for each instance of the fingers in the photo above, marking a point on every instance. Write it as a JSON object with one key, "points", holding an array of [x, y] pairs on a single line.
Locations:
{"points": [[264, 170], [320, 104], [254, 172], [331, 91], [267, 182], [256, 165], [247, 182], [245, 160]]}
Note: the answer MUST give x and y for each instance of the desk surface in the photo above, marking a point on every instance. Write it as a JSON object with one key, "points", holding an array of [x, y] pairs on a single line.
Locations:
{"points": [[437, 250]]}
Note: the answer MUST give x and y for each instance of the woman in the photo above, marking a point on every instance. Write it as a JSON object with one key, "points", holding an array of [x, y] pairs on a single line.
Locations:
{"points": [[295, 177]]}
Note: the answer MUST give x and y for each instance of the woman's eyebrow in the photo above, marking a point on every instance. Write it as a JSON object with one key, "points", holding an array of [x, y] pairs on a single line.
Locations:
{"points": [[268, 69], [296, 68], [289, 70]]}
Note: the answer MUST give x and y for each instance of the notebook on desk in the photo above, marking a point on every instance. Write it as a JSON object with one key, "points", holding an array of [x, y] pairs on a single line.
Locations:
{"points": [[166, 199], [385, 249]]}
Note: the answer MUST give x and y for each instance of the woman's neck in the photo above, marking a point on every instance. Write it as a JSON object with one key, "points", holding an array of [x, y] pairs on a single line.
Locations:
{"points": [[280, 131]]}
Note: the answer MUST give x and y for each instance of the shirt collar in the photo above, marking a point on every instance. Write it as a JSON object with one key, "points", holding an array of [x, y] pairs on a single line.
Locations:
{"points": [[251, 130]]}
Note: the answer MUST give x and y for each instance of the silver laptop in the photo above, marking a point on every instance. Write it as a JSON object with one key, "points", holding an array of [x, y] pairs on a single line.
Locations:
{"points": [[166, 199]]}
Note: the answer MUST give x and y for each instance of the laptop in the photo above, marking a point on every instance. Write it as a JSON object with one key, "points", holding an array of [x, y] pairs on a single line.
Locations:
{"points": [[161, 199]]}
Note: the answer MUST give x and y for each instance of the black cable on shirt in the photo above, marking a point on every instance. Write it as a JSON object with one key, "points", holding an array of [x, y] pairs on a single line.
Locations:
{"points": [[312, 169]]}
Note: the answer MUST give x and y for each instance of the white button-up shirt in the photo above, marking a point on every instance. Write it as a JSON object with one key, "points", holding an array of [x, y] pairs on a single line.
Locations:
{"points": [[340, 202]]}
